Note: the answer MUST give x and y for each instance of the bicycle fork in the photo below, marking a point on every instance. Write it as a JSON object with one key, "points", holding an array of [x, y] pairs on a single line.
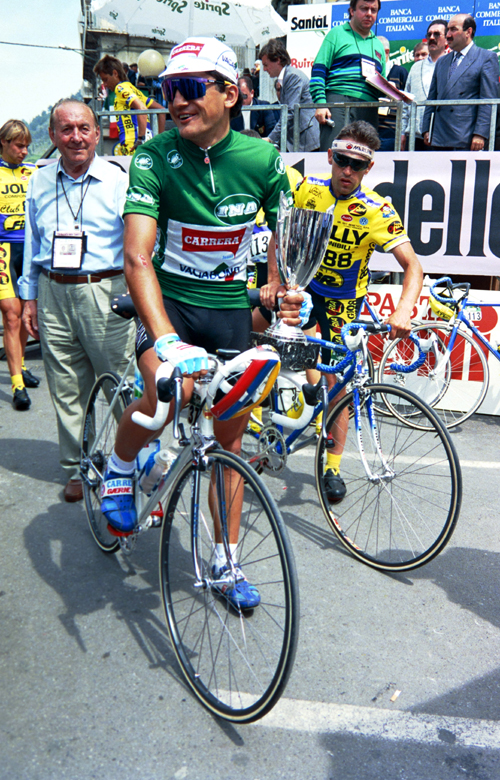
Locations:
{"points": [[219, 508], [389, 473]]}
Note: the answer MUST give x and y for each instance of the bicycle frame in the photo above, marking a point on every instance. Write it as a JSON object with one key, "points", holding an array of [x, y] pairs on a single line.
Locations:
{"points": [[309, 414], [462, 318]]}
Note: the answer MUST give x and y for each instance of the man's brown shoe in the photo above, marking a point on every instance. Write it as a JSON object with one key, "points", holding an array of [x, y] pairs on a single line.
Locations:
{"points": [[73, 490]]}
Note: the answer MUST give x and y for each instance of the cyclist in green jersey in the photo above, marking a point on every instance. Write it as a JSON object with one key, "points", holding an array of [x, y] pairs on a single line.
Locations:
{"points": [[193, 197]]}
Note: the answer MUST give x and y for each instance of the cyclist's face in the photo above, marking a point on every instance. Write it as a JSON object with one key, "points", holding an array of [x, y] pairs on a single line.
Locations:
{"points": [[14, 152], [204, 121], [345, 180], [110, 80]]}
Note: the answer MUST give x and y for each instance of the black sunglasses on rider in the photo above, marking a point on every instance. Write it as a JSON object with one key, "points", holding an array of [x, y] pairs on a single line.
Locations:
{"points": [[191, 88], [343, 161]]}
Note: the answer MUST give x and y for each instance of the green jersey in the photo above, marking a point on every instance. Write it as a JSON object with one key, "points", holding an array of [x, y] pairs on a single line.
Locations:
{"points": [[337, 67], [205, 202]]}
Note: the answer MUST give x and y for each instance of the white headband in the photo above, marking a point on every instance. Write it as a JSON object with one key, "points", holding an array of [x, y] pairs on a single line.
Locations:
{"points": [[353, 147]]}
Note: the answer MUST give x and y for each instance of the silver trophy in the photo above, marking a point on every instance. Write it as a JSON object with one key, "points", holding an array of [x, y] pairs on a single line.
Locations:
{"points": [[302, 237]]}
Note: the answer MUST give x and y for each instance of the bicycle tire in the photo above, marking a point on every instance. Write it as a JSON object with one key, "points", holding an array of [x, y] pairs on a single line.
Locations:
{"points": [[93, 465], [399, 522], [454, 391], [236, 663]]}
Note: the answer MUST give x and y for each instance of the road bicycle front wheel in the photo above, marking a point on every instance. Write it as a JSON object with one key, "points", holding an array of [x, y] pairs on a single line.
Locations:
{"points": [[236, 662], [453, 383], [104, 410], [403, 484]]}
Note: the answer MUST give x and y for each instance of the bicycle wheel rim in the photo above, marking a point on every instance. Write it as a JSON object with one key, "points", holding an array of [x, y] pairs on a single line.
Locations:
{"points": [[405, 517], [454, 386], [236, 663], [95, 456]]}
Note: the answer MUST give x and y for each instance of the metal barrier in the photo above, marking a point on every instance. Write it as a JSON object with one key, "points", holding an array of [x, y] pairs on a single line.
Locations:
{"points": [[398, 105], [283, 108]]}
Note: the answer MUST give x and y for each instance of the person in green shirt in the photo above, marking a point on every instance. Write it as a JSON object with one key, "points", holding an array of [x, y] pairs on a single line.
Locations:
{"points": [[337, 73], [193, 197]]}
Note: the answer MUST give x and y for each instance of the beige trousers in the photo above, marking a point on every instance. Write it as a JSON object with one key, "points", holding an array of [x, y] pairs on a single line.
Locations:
{"points": [[81, 337]]}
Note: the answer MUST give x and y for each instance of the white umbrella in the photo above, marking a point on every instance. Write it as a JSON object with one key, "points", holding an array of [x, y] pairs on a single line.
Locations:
{"points": [[237, 24]]}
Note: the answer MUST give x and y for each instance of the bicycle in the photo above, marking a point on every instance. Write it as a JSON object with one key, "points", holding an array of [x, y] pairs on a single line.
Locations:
{"points": [[237, 663], [454, 378], [403, 485]]}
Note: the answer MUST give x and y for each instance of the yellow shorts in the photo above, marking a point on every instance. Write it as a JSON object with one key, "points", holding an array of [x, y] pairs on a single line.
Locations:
{"points": [[11, 268]]}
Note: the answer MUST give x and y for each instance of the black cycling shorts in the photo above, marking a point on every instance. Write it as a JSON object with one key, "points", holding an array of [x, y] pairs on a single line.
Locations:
{"points": [[211, 329], [11, 269]]}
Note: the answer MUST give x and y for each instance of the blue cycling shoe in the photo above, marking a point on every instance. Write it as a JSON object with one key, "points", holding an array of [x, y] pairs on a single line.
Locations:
{"points": [[242, 595], [117, 501]]}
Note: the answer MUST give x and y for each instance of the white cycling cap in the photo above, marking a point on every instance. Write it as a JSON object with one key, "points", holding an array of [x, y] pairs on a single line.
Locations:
{"points": [[201, 55]]}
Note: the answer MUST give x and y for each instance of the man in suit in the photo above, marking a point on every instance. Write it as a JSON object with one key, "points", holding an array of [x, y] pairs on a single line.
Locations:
{"points": [[262, 121], [294, 89], [466, 73]]}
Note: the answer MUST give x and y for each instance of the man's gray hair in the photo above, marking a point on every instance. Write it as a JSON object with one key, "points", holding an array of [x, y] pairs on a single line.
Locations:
{"points": [[70, 101]]}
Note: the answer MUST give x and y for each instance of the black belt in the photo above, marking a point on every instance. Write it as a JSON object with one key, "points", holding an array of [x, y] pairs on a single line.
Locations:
{"points": [[80, 279]]}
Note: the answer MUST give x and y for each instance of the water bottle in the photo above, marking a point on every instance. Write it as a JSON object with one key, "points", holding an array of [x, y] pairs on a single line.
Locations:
{"points": [[147, 455], [138, 384], [157, 467]]}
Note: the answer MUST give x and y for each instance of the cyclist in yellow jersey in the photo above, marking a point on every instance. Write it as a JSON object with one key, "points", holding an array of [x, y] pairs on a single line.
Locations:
{"points": [[362, 220], [134, 129], [14, 176]]}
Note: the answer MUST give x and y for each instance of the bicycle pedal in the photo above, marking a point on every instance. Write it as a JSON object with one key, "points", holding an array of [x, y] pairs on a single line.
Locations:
{"points": [[157, 515]]}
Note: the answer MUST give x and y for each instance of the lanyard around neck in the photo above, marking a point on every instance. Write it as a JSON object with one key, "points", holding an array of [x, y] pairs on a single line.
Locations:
{"points": [[79, 213]]}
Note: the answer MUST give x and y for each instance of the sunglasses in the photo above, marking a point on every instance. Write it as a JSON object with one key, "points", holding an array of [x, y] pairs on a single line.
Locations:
{"points": [[434, 35], [342, 160], [192, 88]]}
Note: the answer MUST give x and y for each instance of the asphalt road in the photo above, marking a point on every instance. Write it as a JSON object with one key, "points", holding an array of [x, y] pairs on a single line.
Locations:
{"points": [[90, 687]]}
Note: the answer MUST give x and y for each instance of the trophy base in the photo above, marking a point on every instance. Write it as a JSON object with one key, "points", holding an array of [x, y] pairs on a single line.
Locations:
{"points": [[296, 355], [286, 333]]}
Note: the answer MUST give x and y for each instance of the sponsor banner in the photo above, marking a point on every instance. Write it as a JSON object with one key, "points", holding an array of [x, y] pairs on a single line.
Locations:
{"points": [[384, 299], [404, 24], [447, 203]]}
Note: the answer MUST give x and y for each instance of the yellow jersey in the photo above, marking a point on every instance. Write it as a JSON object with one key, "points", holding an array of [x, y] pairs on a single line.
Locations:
{"points": [[362, 221]]}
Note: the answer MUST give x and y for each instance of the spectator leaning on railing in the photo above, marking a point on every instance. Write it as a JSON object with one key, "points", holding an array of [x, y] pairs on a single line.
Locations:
{"points": [[337, 74], [419, 80], [398, 76], [294, 89], [467, 73]]}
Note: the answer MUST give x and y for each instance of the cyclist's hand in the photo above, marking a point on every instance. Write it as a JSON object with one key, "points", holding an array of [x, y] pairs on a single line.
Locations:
{"points": [[268, 294], [400, 325], [192, 361], [290, 306]]}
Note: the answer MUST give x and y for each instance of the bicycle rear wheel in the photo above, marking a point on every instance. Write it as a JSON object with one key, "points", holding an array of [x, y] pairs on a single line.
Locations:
{"points": [[453, 385], [403, 503], [237, 663], [98, 438]]}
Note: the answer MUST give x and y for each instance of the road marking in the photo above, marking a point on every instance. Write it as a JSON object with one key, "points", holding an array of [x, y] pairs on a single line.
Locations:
{"points": [[394, 725]]}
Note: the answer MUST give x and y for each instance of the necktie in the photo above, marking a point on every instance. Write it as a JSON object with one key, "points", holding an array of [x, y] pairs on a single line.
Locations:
{"points": [[454, 64]]}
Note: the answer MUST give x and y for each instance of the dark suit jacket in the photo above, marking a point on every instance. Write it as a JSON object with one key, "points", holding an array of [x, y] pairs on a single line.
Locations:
{"points": [[262, 121], [295, 89], [475, 77]]}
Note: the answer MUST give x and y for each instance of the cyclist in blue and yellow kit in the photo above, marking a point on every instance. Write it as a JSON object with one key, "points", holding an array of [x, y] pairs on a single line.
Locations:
{"points": [[14, 176], [362, 221], [133, 129]]}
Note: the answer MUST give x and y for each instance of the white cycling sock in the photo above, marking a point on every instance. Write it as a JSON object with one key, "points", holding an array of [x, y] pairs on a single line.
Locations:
{"points": [[121, 466], [220, 556]]}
